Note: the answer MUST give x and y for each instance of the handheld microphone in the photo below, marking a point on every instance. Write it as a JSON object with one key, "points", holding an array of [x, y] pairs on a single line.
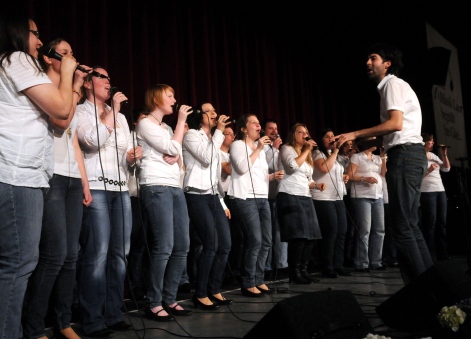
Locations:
{"points": [[54, 55], [262, 133], [113, 90], [230, 120], [307, 138]]}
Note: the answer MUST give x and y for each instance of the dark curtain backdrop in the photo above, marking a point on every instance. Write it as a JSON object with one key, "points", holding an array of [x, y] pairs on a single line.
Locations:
{"points": [[297, 62]]}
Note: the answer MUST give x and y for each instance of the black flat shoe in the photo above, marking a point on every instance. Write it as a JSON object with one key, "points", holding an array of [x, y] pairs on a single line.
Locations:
{"points": [[223, 302], [102, 333], [198, 304], [155, 316], [246, 293], [330, 274], [120, 326], [178, 313]]}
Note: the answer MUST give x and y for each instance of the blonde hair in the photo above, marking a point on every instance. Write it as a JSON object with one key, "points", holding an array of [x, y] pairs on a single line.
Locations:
{"points": [[291, 140], [155, 96]]}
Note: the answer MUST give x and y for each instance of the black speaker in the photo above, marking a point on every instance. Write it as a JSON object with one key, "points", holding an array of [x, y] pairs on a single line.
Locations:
{"points": [[415, 307], [326, 314]]}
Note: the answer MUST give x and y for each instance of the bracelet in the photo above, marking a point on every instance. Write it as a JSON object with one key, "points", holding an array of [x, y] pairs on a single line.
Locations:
{"points": [[362, 179], [384, 158]]}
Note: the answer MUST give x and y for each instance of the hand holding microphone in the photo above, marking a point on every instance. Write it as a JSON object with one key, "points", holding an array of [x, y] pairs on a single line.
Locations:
{"points": [[309, 143], [118, 98], [51, 53], [222, 122], [184, 111], [277, 142]]}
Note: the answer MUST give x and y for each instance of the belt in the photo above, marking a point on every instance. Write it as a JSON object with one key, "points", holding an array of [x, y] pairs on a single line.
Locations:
{"points": [[405, 146]]}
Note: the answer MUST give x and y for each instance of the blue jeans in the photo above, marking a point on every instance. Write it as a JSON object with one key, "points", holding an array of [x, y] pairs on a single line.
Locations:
{"points": [[278, 255], [104, 240], [332, 217], [370, 221], [169, 226], [433, 206], [212, 226], [254, 219], [58, 252], [406, 167], [21, 210]]}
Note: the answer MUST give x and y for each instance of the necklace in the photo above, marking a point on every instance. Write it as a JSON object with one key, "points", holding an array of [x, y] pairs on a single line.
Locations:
{"points": [[160, 122]]}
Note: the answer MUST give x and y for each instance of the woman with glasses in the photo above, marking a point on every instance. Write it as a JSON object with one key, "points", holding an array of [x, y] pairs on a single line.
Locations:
{"points": [[62, 218], [28, 98], [106, 227]]}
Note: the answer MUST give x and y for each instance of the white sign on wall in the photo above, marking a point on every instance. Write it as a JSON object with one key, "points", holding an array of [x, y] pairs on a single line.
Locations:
{"points": [[448, 103]]}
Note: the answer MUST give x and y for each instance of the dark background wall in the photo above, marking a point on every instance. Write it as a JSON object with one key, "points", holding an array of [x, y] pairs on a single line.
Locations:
{"points": [[295, 61]]}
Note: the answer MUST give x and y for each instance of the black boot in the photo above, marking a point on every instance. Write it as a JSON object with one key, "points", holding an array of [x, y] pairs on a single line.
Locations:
{"points": [[305, 273], [295, 275]]}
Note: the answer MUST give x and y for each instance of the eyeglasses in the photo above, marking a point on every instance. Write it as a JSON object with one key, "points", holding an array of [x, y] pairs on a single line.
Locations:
{"points": [[36, 33]]}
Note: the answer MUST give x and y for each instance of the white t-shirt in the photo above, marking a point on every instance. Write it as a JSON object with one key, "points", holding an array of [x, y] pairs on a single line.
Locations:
{"points": [[335, 187], [396, 94], [26, 143], [156, 141], [297, 178], [225, 178], [105, 154], [432, 182], [367, 168], [247, 180], [64, 153]]}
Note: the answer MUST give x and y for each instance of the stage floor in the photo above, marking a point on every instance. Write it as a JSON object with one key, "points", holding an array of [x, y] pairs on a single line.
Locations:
{"points": [[235, 321]]}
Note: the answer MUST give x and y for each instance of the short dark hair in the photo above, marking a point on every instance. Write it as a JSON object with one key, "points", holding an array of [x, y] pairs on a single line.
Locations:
{"points": [[427, 137], [388, 53], [267, 121]]}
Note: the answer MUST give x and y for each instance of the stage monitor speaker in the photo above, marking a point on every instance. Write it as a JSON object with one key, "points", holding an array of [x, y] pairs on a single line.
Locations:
{"points": [[325, 314], [438, 61], [415, 307]]}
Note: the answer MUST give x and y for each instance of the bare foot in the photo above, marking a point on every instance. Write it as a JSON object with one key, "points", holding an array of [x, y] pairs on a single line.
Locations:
{"points": [[69, 333], [205, 301]]}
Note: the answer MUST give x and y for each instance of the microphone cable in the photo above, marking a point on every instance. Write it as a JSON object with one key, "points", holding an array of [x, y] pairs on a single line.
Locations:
{"points": [[105, 188], [270, 291], [338, 193]]}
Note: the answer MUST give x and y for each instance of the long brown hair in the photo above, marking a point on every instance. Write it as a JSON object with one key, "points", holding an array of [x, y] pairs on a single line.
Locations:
{"points": [[291, 140], [14, 37]]}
